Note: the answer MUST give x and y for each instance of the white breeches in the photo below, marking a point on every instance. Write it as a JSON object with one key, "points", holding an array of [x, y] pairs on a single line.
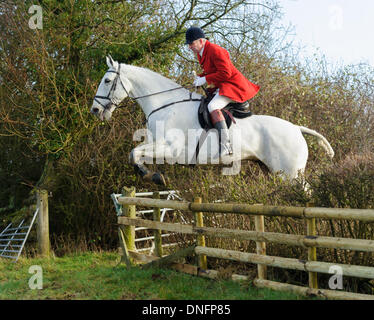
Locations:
{"points": [[218, 102]]}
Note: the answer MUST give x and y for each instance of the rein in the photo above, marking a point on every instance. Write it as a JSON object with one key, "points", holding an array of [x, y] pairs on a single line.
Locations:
{"points": [[156, 93], [172, 103], [169, 104]]}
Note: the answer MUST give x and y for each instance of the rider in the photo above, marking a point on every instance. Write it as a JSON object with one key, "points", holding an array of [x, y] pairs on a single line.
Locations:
{"points": [[229, 84]]}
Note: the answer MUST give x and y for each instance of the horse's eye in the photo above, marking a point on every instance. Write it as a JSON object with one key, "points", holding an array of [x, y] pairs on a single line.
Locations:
{"points": [[107, 80]]}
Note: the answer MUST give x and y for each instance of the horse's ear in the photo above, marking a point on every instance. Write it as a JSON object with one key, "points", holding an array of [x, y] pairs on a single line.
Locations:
{"points": [[109, 61]]}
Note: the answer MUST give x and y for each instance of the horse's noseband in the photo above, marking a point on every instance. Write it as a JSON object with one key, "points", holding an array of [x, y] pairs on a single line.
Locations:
{"points": [[112, 90]]}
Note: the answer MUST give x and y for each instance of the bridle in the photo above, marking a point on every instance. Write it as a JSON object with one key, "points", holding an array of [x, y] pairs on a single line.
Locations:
{"points": [[112, 89], [114, 86]]}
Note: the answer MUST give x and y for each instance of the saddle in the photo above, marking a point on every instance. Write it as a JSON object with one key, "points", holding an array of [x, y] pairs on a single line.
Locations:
{"points": [[231, 111]]}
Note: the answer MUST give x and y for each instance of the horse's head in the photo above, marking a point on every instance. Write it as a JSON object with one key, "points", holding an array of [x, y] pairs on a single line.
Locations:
{"points": [[112, 90]]}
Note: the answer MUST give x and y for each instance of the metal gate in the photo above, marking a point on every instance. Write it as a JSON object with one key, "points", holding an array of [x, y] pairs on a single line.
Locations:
{"points": [[13, 239]]}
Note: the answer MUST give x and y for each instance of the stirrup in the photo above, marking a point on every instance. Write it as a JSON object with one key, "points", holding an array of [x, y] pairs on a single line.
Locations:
{"points": [[225, 149]]}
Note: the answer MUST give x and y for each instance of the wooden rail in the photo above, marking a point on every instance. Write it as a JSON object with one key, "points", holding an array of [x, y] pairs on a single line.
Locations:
{"points": [[366, 215], [310, 241], [288, 239]]}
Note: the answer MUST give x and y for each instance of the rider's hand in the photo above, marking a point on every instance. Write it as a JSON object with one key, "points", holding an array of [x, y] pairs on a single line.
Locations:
{"points": [[199, 81]]}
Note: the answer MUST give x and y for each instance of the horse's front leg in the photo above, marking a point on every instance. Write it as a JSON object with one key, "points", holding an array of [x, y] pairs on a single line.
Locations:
{"points": [[141, 154]]}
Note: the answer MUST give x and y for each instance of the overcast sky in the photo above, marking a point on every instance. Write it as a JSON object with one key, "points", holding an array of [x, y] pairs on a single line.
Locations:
{"points": [[343, 30]]}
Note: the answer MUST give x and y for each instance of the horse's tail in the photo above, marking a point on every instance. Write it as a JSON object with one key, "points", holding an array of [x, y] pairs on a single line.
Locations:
{"points": [[322, 141]]}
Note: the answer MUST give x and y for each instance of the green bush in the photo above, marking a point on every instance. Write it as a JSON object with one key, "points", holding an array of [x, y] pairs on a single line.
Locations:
{"points": [[347, 184]]}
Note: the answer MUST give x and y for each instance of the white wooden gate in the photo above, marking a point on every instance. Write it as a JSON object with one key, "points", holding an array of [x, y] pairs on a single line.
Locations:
{"points": [[144, 239]]}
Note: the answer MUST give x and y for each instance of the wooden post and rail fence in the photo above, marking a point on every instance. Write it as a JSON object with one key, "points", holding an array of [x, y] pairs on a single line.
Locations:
{"points": [[127, 222]]}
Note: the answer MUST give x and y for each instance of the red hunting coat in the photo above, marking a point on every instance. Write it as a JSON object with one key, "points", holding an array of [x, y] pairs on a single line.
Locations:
{"points": [[219, 71]]}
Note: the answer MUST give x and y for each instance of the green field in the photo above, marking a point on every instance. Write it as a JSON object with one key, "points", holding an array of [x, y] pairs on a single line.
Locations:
{"points": [[97, 276]]}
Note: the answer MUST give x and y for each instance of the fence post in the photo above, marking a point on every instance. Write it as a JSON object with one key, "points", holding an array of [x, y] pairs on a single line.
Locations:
{"points": [[157, 233], [260, 247], [312, 251], [202, 260], [129, 211], [43, 223], [125, 254]]}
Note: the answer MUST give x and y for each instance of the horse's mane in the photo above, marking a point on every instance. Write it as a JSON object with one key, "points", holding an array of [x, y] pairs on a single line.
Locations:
{"points": [[155, 78], [146, 81]]}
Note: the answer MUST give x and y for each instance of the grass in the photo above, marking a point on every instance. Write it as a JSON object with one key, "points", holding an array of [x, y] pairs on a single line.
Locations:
{"points": [[97, 276]]}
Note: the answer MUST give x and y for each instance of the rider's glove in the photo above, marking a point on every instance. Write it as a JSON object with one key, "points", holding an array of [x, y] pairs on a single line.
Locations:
{"points": [[199, 81]]}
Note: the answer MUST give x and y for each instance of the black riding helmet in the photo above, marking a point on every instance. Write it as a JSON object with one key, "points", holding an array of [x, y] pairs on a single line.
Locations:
{"points": [[194, 33]]}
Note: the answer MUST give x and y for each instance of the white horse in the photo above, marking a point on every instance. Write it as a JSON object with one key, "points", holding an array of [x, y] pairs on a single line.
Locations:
{"points": [[173, 129]]}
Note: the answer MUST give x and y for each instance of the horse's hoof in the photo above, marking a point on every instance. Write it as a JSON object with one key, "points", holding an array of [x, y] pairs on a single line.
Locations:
{"points": [[158, 178]]}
